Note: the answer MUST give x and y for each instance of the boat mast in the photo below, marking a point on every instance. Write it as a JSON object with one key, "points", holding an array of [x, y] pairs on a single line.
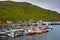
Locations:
{"points": [[39, 23]]}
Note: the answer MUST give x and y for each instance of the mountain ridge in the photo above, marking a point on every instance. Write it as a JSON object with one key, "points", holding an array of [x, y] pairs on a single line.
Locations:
{"points": [[25, 11]]}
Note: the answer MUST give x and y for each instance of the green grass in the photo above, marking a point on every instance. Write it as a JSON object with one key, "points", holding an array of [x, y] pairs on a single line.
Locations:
{"points": [[25, 11]]}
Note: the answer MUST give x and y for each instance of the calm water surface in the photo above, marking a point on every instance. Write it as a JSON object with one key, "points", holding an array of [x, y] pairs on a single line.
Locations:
{"points": [[53, 35]]}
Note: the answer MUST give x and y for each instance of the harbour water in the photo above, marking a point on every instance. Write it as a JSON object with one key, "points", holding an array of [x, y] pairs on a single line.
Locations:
{"points": [[53, 35]]}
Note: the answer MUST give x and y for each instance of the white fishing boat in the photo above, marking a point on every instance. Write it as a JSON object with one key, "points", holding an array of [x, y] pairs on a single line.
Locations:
{"points": [[14, 32], [11, 34], [3, 34]]}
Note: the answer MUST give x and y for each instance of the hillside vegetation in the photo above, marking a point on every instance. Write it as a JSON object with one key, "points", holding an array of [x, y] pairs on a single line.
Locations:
{"points": [[25, 11]]}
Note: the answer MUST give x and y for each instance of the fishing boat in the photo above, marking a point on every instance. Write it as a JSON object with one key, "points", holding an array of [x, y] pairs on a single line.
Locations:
{"points": [[3, 33], [47, 28], [11, 34], [38, 30], [25, 32], [31, 32]]}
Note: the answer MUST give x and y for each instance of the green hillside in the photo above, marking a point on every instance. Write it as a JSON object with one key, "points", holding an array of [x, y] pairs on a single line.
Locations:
{"points": [[25, 11]]}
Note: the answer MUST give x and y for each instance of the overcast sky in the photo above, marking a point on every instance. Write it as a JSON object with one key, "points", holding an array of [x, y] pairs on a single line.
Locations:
{"points": [[47, 4]]}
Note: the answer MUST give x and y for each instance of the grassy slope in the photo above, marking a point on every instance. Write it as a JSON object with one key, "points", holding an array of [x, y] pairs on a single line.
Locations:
{"points": [[25, 11]]}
